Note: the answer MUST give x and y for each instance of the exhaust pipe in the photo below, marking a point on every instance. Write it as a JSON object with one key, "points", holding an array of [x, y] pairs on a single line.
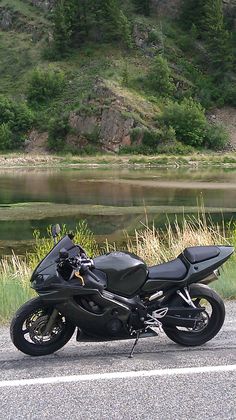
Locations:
{"points": [[212, 277]]}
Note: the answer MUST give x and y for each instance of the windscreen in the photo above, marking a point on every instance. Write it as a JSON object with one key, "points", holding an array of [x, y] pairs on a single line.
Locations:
{"points": [[53, 255]]}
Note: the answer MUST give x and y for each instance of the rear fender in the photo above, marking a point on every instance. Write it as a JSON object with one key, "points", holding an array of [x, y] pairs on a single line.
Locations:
{"points": [[199, 271]]}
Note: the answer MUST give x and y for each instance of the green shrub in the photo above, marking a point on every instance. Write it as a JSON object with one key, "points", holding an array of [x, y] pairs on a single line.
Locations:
{"points": [[155, 36], [216, 137], [43, 245], [89, 150], [188, 120], [6, 137], [228, 91], [7, 113], [168, 134], [151, 138], [57, 132], [15, 120], [45, 84], [136, 134], [23, 118], [135, 150], [175, 148], [159, 77]]}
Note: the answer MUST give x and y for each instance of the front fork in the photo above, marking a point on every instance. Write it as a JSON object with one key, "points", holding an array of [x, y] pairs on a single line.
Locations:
{"points": [[51, 321]]}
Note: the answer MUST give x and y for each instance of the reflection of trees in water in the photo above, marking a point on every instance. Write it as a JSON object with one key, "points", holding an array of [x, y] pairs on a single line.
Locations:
{"points": [[77, 187]]}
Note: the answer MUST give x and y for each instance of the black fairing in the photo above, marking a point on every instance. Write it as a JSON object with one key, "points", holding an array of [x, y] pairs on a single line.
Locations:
{"points": [[126, 273], [48, 265]]}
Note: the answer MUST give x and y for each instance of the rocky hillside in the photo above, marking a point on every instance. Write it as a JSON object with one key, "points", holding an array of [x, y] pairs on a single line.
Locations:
{"points": [[110, 93]]}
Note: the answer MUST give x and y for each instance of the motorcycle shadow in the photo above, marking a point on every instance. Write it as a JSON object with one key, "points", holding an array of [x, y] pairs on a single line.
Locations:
{"points": [[87, 356]]}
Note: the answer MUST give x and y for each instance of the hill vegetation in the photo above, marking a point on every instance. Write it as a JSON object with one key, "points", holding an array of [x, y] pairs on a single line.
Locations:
{"points": [[115, 75]]}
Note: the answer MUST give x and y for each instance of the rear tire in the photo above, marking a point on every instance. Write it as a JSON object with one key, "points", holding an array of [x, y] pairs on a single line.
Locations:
{"points": [[27, 329], [214, 321]]}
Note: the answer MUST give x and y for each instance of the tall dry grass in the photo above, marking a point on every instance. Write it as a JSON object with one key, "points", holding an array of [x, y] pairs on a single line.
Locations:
{"points": [[156, 246], [153, 245]]}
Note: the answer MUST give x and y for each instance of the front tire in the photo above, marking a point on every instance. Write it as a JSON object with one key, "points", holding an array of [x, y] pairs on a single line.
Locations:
{"points": [[213, 320], [28, 325]]}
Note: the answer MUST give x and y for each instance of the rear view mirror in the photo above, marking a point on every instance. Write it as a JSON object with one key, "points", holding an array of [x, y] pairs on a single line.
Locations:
{"points": [[56, 229]]}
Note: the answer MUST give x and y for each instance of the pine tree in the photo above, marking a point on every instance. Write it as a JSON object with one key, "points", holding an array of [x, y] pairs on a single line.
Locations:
{"points": [[64, 19], [143, 7], [160, 77], [111, 21], [97, 19], [213, 18], [217, 37], [192, 13]]}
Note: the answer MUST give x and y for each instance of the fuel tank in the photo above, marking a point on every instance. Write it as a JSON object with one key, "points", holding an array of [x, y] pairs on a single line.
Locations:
{"points": [[126, 273]]}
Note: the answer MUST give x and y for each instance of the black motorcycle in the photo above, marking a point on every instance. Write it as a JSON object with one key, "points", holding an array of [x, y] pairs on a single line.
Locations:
{"points": [[116, 296]]}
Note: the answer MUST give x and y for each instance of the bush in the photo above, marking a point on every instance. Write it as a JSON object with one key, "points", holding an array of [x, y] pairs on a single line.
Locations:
{"points": [[155, 36], [159, 77], [135, 150], [6, 137], [216, 137], [175, 148], [57, 132], [151, 138], [136, 134], [188, 120], [228, 91], [45, 84], [15, 120], [23, 118]]}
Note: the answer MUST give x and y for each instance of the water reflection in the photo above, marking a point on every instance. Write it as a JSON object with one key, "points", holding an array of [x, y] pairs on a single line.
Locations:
{"points": [[121, 187]]}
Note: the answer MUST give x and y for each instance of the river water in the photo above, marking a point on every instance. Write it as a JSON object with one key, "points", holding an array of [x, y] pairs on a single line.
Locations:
{"points": [[111, 200]]}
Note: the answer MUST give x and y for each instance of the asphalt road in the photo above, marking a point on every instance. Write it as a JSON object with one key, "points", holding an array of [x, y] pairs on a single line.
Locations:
{"points": [[98, 381]]}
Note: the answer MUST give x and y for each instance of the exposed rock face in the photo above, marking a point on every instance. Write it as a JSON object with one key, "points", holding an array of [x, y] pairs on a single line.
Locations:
{"points": [[115, 129], [11, 19], [111, 129], [109, 126], [171, 8], [43, 4], [36, 143], [227, 117], [5, 19], [83, 124]]}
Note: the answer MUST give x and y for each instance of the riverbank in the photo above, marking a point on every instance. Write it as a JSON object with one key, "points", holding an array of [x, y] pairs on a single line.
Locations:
{"points": [[22, 160]]}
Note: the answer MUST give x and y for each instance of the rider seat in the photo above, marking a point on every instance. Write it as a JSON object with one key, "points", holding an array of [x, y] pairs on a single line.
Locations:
{"points": [[172, 270]]}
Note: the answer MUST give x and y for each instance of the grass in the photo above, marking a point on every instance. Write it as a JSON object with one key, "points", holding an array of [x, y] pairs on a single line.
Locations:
{"points": [[66, 160], [153, 245], [14, 286]]}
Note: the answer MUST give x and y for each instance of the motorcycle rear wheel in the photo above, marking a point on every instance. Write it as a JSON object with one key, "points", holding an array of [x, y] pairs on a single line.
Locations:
{"points": [[28, 326], [212, 319]]}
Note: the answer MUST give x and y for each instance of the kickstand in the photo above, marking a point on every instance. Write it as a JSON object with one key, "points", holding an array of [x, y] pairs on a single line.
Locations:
{"points": [[135, 343]]}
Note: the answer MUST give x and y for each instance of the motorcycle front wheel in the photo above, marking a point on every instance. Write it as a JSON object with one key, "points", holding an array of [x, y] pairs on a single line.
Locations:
{"points": [[211, 320], [28, 329]]}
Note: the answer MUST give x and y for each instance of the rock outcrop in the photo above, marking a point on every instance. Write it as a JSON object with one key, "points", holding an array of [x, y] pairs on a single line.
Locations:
{"points": [[6, 19], [171, 8], [108, 118], [43, 4], [11, 19]]}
